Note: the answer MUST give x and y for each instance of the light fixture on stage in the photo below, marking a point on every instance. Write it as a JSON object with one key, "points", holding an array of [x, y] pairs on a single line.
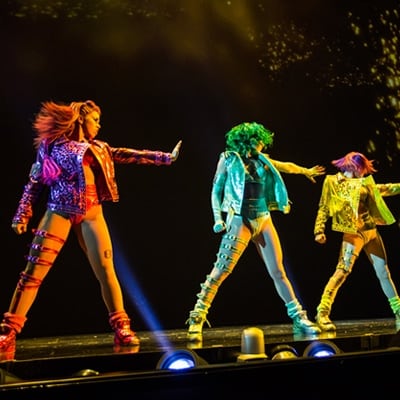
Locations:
{"points": [[283, 352], [180, 359], [252, 345], [321, 348]]}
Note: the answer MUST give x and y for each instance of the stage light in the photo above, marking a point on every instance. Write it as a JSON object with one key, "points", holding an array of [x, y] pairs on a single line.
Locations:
{"points": [[83, 373], [321, 348], [181, 359], [283, 352], [252, 345]]}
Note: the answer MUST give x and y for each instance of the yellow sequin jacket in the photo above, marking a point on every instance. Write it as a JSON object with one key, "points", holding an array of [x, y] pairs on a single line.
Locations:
{"points": [[340, 200]]}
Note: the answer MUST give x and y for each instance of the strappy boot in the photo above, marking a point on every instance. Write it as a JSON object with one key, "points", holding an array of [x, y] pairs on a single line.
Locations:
{"points": [[195, 321], [197, 317], [11, 325], [121, 325]]}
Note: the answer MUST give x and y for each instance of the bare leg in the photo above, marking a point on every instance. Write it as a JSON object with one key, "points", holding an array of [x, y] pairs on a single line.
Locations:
{"points": [[47, 243], [42, 254], [95, 240], [269, 247], [376, 253]]}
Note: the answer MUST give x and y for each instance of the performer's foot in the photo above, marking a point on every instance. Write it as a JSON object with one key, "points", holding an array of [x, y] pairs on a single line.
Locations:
{"points": [[324, 322], [195, 321], [301, 324], [7, 342], [124, 335]]}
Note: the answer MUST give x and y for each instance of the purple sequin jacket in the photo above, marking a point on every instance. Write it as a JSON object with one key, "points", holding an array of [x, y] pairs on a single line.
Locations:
{"points": [[67, 193]]}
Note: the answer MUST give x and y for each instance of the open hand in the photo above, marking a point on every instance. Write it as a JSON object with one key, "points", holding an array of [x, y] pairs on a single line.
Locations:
{"points": [[175, 151], [316, 170]]}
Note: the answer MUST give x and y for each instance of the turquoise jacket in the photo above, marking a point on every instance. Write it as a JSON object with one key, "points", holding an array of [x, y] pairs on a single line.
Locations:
{"points": [[229, 181]]}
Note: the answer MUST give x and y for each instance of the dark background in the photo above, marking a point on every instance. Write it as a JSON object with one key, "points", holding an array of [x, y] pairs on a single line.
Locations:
{"points": [[321, 74]]}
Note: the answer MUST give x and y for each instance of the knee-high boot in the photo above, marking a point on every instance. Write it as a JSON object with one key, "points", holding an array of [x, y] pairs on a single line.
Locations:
{"points": [[230, 250], [121, 325], [197, 317]]}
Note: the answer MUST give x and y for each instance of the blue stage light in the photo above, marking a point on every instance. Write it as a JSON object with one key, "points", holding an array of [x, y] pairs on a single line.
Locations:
{"points": [[321, 348], [178, 360]]}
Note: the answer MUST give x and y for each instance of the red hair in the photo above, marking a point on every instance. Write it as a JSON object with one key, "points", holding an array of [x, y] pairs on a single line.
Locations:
{"points": [[355, 162], [56, 120]]}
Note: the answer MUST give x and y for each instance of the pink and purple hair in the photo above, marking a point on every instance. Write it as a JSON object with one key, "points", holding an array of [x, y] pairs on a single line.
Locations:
{"points": [[355, 162]]}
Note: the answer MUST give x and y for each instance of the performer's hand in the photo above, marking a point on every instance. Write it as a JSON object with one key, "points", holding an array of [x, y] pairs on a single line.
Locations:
{"points": [[19, 228], [320, 238], [219, 226], [175, 151], [316, 170]]}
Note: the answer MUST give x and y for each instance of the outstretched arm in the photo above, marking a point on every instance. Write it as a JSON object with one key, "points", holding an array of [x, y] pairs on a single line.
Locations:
{"points": [[123, 155], [292, 168]]}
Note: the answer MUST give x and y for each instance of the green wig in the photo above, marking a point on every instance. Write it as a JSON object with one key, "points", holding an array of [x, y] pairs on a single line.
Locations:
{"points": [[244, 137]]}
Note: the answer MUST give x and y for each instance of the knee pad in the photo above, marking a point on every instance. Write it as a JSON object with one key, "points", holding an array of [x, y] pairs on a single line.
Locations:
{"points": [[347, 258]]}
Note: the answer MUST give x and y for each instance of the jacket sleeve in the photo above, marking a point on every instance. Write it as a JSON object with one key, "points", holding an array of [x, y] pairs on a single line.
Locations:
{"points": [[217, 190], [30, 194], [323, 209], [122, 155], [388, 189]]}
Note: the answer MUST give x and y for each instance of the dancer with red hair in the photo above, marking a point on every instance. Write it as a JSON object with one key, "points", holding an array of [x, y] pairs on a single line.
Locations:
{"points": [[79, 172]]}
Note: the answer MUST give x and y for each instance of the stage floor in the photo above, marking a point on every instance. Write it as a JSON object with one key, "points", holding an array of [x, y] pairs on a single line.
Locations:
{"points": [[101, 344], [79, 366]]}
